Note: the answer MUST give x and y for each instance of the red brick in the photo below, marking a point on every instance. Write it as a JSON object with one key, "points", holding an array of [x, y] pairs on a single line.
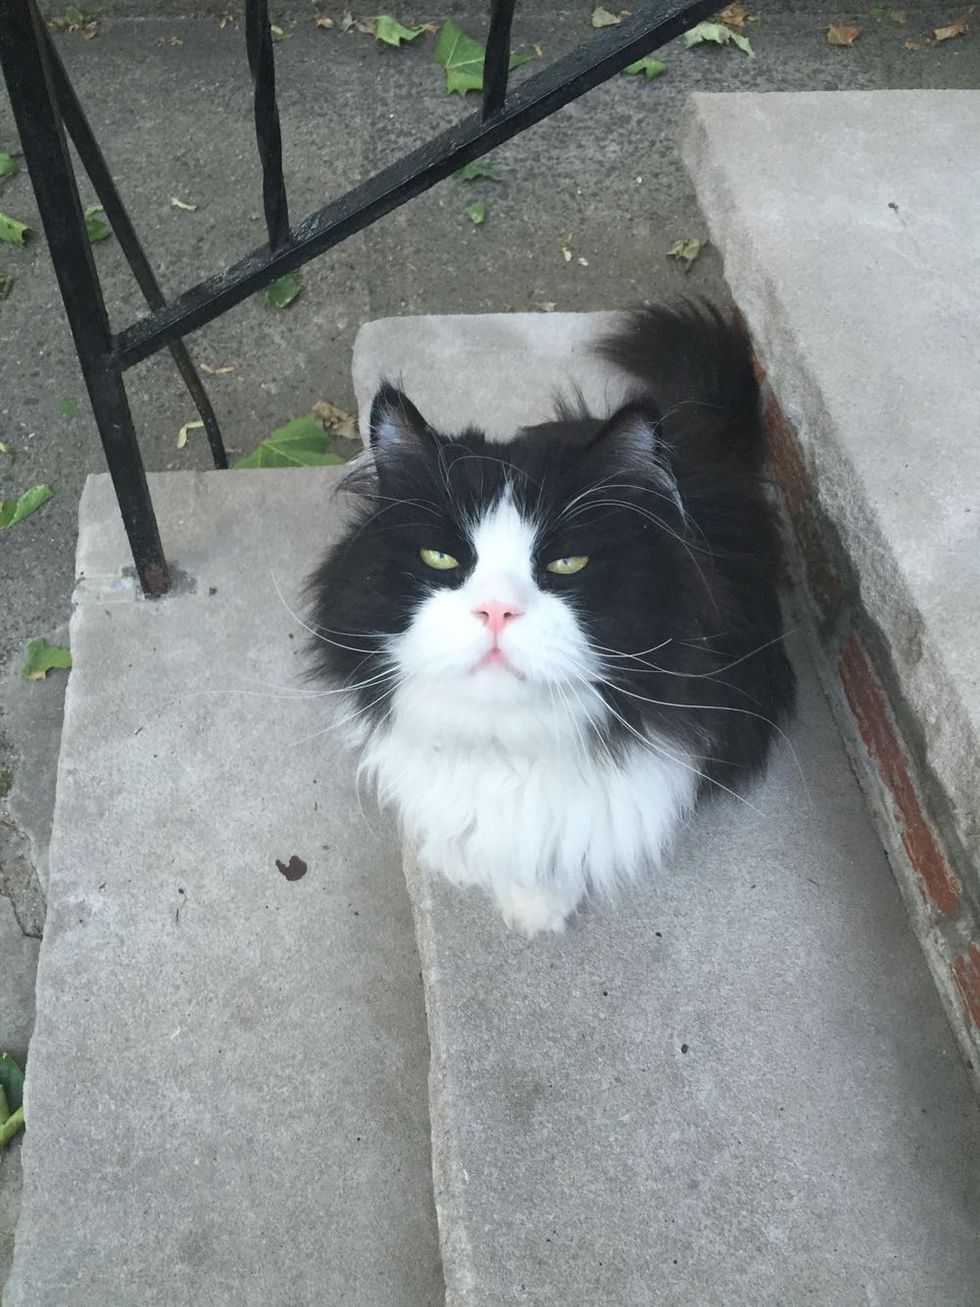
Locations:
{"points": [[966, 975], [939, 886]]}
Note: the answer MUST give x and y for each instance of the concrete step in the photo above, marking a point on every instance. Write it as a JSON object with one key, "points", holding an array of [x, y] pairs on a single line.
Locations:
{"points": [[226, 1085], [738, 1086]]}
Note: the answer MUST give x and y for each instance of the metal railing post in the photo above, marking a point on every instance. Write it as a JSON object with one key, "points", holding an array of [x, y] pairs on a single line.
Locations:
{"points": [[34, 103]]}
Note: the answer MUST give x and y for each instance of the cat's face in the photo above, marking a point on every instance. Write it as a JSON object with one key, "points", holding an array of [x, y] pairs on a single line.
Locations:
{"points": [[493, 577]]}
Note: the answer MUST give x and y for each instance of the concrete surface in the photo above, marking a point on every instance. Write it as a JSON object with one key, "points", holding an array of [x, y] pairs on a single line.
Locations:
{"points": [[226, 1087], [738, 1086], [169, 99], [843, 257]]}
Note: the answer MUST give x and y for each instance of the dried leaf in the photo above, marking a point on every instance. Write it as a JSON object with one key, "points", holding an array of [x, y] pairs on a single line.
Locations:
{"points": [[603, 18], [652, 67], [471, 172], [687, 250], [13, 511], [179, 204], [300, 443], [392, 32], [281, 293], [6, 284], [194, 425], [718, 35], [8, 165], [912, 46], [338, 420], [842, 34], [733, 16], [366, 26], [42, 657], [949, 31], [346, 21], [219, 371], [12, 231], [321, 20]]}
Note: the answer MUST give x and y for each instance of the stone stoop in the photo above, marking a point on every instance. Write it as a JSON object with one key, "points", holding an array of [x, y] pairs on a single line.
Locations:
{"points": [[736, 1086], [866, 342], [225, 1092]]}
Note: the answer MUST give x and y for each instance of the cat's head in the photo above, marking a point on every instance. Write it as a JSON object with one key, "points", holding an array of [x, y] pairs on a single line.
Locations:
{"points": [[496, 577]]}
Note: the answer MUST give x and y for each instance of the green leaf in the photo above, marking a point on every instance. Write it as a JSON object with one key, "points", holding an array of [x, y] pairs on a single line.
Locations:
{"points": [[476, 212], [392, 32], [98, 229], [12, 231], [13, 511], [719, 34], [687, 250], [462, 58], [281, 293], [652, 67], [42, 657], [7, 165], [4, 449], [68, 408], [471, 171], [300, 443], [878, 13], [11, 1081], [10, 1127], [75, 16], [4, 1109], [603, 18], [6, 284]]}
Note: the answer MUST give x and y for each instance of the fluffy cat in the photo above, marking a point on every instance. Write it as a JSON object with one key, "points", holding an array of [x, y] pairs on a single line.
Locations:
{"points": [[554, 647]]}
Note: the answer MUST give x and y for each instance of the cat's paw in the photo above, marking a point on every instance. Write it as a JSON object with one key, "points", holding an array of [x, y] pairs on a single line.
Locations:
{"points": [[533, 910]]}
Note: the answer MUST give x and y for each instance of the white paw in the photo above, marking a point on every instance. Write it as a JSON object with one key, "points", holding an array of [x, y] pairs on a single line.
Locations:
{"points": [[533, 910]]}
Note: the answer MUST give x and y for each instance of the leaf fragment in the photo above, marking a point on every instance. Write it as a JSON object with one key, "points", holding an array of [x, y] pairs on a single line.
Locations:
{"points": [[734, 15], [12, 231], [878, 13], [68, 408], [392, 32], [176, 203], [652, 67], [336, 419], [842, 34], [96, 227], [6, 284], [462, 58], [300, 443], [471, 172], [321, 20], [949, 31], [565, 245], [8, 165], [13, 511], [221, 370], [687, 250], [42, 657], [897, 16], [717, 34], [194, 425], [281, 293], [476, 212], [12, 1082], [603, 18], [912, 46], [346, 21]]}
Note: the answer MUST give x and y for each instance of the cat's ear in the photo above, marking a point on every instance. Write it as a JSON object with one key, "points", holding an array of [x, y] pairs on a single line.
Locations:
{"points": [[632, 437], [395, 421]]}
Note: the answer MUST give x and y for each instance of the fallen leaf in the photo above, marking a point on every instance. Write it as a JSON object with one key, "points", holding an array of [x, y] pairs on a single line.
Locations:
{"points": [[913, 46], [652, 67], [175, 40], [732, 16], [392, 32], [75, 16], [6, 284], [719, 35], [476, 212], [603, 18], [878, 13], [947, 33], [4, 447], [42, 657], [470, 172], [13, 511], [281, 293], [338, 420], [179, 204], [462, 58], [12, 231], [346, 21], [194, 425], [67, 408], [11, 1082], [565, 245], [219, 371], [226, 20], [367, 26], [300, 443], [278, 34], [96, 227], [842, 34], [687, 250], [897, 15], [321, 20], [7, 165], [547, 306]]}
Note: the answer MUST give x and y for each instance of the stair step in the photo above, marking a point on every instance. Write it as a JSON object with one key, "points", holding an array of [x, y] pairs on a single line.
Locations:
{"points": [[737, 1085], [226, 1087]]}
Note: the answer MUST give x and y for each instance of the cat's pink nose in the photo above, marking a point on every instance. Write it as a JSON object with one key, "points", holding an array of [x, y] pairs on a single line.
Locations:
{"points": [[495, 615]]}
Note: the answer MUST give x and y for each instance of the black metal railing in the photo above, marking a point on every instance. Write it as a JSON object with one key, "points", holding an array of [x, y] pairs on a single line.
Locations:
{"points": [[45, 107]]}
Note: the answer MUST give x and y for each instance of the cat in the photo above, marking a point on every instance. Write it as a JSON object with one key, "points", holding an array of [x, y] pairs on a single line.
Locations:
{"points": [[555, 647]]}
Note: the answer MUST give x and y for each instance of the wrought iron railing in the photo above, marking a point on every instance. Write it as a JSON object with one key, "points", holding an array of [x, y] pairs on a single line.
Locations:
{"points": [[45, 107]]}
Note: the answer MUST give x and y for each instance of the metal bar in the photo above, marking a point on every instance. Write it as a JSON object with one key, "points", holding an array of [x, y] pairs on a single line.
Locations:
{"points": [[93, 161], [32, 98], [268, 138], [606, 53], [496, 65]]}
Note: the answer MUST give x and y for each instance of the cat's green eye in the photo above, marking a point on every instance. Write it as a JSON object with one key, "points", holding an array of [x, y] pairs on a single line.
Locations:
{"points": [[437, 559], [568, 566]]}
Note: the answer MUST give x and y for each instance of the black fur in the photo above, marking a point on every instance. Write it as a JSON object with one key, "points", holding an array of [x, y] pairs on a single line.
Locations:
{"points": [[683, 542]]}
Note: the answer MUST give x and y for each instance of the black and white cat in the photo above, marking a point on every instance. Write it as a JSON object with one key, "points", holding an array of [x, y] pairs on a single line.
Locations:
{"points": [[555, 646]]}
